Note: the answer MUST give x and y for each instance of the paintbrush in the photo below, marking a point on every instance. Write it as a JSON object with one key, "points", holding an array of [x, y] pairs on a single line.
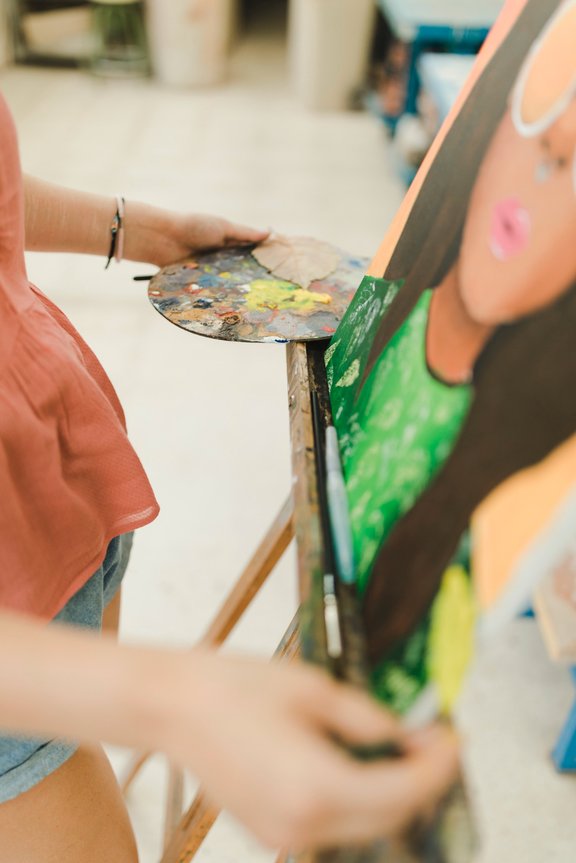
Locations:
{"points": [[330, 600]]}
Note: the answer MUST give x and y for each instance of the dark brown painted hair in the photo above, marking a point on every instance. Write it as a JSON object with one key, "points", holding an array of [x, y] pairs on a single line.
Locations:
{"points": [[525, 379]]}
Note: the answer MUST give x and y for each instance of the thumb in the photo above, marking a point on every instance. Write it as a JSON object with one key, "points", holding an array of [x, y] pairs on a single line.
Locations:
{"points": [[399, 790], [356, 718], [243, 234], [424, 775]]}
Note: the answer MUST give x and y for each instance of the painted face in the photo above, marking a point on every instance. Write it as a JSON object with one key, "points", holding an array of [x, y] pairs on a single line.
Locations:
{"points": [[518, 249]]}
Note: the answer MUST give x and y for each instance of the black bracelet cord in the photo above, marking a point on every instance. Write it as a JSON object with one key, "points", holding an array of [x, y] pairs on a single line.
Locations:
{"points": [[115, 231], [114, 228]]}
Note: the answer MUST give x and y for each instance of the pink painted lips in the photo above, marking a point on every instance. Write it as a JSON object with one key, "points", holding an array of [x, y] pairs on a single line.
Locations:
{"points": [[510, 229]]}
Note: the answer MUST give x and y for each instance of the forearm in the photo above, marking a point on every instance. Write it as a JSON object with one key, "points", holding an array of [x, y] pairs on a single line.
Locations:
{"points": [[65, 220], [57, 682]]}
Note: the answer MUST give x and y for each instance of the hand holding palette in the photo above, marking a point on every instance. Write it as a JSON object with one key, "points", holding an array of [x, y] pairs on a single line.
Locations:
{"points": [[228, 294]]}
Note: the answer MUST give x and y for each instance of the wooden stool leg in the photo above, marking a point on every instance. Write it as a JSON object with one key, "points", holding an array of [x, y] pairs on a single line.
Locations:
{"points": [[289, 646], [174, 803], [191, 832], [264, 560], [200, 817], [133, 770]]}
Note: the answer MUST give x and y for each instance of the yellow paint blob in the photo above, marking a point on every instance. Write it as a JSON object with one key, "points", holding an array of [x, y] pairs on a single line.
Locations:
{"points": [[282, 295]]}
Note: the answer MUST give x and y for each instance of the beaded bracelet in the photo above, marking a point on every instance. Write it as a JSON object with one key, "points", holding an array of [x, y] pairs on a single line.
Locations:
{"points": [[116, 250]]}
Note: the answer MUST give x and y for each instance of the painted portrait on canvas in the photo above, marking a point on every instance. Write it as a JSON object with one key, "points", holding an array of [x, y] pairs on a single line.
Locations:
{"points": [[455, 368]]}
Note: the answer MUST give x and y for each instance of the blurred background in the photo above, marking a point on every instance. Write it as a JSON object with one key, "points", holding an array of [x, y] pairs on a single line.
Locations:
{"points": [[403, 60], [309, 116]]}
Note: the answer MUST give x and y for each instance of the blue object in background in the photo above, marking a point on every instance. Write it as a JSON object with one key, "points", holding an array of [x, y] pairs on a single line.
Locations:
{"points": [[564, 753], [442, 76], [455, 26]]}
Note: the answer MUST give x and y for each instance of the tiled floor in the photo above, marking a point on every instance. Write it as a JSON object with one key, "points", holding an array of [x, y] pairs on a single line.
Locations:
{"points": [[210, 419]]}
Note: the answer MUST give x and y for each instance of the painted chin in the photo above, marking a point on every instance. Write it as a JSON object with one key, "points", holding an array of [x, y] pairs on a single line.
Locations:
{"points": [[510, 229]]}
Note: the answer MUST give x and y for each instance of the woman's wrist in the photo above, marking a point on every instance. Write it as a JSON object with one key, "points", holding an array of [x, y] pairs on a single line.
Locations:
{"points": [[63, 220], [145, 231], [116, 249], [147, 687]]}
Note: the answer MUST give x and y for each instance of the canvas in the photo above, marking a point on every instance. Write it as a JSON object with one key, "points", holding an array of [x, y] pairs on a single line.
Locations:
{"points": [[452, 368]]}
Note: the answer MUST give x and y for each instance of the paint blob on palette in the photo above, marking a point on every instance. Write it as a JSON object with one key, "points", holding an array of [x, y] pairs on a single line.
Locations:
{"points": [[228, 295]]}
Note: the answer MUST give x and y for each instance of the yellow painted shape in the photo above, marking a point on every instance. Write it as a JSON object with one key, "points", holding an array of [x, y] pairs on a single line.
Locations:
{"points": [[282, 295], [451, 639]]}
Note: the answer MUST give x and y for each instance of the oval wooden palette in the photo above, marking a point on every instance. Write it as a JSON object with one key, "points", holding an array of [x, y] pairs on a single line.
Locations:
{"points": [[228, 295]]}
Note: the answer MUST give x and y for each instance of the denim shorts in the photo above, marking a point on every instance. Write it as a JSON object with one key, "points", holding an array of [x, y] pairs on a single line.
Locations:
{"points": [[24, 762]]}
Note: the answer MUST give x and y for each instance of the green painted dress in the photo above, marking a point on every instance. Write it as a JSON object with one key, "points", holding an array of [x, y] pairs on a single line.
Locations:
{"points": [[395, 434]]}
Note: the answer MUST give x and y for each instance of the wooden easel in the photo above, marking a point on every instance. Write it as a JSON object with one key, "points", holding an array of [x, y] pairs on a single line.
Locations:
{"points": [[299, 517]]}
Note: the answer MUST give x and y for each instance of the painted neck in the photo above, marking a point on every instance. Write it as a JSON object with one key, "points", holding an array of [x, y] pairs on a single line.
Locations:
{"points": [[453, 340]]}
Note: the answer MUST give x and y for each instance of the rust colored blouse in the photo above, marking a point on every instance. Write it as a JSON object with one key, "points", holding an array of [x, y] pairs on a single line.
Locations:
{"points": [[69, 478]]}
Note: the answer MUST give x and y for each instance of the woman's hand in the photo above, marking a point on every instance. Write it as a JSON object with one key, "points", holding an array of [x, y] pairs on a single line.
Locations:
{"points": [[267, 743], [162, 237]]}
